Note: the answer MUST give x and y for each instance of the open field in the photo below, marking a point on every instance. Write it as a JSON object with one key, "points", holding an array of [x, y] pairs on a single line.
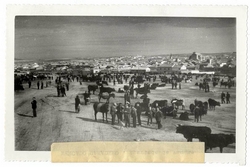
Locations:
{"points": [[57, 121]]}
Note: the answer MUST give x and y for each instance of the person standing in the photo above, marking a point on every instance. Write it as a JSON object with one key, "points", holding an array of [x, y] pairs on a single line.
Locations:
{"points": [[228, 97], [86, 96], [29, 82], [67, 86], [38, 84], [158, 116], [77, 104], [34, 106], [127, 113], [131, 92], [58, 90], [119, 112], [138, 109], [41, 84], [113, 113], [126, 97], [179, 85], [223, 97], [63, 91], [150, 114], [134, 115]]}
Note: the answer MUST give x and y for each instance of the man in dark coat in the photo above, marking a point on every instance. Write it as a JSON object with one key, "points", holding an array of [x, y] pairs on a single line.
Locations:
{"points": [[134, 115], [77, 103], [58, 90], [63, 91], [223, 97], [113, 113], [67, 86], [34, 106], [29, 82], [158, 116], [86, 96], [138, 109], [228, 97], [127, 112], [119, 112], [41, 84], [38, 84], [126, 97]]}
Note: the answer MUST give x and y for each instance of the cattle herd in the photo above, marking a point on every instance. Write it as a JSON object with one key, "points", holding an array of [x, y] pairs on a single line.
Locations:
{"points": [[142, 85], [197, 108]]}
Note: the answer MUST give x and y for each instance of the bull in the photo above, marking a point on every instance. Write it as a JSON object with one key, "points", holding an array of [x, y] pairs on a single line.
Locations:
{"points": [[212, 103], [106, 89], [92, 88], [190, 132], [104, 108], [217, 140]]}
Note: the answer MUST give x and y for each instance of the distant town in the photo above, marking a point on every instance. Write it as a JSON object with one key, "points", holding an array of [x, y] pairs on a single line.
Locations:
{"points": [[195, 63]]}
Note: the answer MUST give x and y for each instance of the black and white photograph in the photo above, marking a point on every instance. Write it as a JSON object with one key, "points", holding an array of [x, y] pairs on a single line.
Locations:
{"points": [[94, 78]]}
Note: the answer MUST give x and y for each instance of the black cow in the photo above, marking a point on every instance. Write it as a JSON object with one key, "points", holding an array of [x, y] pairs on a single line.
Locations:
{"points": [[154, 86], [198, 112], [222, 83], [142, 90], [212, 103], [184, 116], [167, 110], [190, 132], [178, 102], [101, 107], [100, 83], [106, 89], [217, 140], [161, 85], [161, 103], [92, 88], [106, 96]]}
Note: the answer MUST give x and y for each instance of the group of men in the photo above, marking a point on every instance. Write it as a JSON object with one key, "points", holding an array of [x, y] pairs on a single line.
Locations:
{"points": [[223, 96], [124, 113]]}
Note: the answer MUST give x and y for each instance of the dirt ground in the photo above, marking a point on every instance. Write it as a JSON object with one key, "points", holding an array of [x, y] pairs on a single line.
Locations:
{"points": [[57, 121]]}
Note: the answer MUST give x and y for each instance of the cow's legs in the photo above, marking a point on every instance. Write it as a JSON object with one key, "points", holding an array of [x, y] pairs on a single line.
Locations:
{"points": [[95, 115], [103, 116], [106, 117]]}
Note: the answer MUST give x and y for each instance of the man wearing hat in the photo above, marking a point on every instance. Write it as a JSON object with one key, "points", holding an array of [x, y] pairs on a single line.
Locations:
{"points": [[113, 112], [119, 112], [158, 116], [127, 112], [126, 97], [34, 106], [134, 115]]}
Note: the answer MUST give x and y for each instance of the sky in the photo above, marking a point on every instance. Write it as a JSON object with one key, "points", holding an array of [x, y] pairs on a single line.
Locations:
{"points": [[55, 37]]}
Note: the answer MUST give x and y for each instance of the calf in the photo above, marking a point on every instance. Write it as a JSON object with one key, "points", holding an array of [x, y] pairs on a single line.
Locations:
{"points": [[217, 140], [190, 132]]}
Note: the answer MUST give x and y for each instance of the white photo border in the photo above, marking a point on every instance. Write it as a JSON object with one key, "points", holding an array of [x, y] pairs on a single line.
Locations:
{"points": [[238, 12]]}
